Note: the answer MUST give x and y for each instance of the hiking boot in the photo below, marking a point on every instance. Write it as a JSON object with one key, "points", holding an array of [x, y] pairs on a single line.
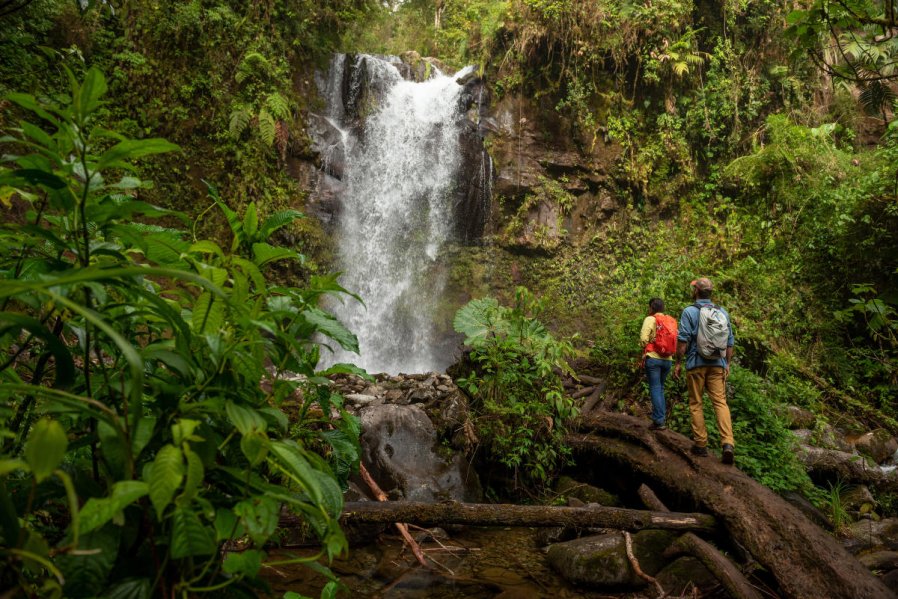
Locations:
{"points": [[657, 427], [699, 451], [726, 456]]}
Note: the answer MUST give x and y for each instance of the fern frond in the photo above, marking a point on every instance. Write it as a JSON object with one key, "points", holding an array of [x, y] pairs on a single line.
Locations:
{"points": [[239, 121], [252, 65], [277, 221], [278, 106], [267, 127], [875, 96]]}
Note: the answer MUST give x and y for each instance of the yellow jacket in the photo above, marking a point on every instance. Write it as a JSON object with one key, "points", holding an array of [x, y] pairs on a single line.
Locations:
{"points": [[647, 335]]}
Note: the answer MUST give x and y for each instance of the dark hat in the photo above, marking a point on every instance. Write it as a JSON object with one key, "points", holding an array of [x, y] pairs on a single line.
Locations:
{"points": [[702, 284]]}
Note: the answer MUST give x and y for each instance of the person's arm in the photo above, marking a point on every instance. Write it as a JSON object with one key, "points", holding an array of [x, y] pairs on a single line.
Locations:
{"points": [[681, 351], [648, 327], [731, 341], [684, 332]]}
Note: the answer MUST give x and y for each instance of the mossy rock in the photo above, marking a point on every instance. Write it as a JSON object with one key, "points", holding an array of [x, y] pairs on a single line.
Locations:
{"points": [[569, 487]]}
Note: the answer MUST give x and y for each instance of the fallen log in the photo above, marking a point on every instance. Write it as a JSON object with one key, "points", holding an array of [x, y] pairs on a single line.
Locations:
{"points": [[806, 561], [723, 569], [483, 514]]}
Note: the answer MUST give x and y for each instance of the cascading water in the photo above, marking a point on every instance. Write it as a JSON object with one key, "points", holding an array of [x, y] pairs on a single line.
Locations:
{"points": [[401, 142]]}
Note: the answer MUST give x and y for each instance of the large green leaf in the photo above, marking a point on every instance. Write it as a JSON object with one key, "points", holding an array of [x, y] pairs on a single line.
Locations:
{"points": [[251, 221], [476, 319], [119, 155], [92, 89], [189, 536], [97, 512], [45, 448], [246, 563], [245, 420], [327, 324], [165, 476], [264, 253], [259, 517], [208, 314], [277, 221]]}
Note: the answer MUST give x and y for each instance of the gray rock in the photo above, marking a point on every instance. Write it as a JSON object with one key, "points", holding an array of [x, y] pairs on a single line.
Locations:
{"points": [[858, 499], [870, 534], [398, 446], [879, 445], [827, 437], [361, 400], [796, 417], [678, 578], [587, 493], [601, 561], [880, 560]]}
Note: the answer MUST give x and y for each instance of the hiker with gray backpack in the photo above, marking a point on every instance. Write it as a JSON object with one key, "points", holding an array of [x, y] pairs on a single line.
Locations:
{"points": [[706, 339]]}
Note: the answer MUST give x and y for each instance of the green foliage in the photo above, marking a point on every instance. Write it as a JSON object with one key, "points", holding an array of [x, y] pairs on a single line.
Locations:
{"points": [[519, 405], [141, 371], [765, 448]]}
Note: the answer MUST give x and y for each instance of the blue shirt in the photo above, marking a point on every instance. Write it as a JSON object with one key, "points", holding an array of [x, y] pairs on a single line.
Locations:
{"points": [[688, 331]]}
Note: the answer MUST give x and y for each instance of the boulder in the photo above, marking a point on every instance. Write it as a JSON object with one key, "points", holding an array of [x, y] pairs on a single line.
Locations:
{"points": [[825, 437], [569, 487], [601, 561], [799, 418], [398, 447], [680, 577], [858, 499], [872, 534], [880, 560], [879, 445]]}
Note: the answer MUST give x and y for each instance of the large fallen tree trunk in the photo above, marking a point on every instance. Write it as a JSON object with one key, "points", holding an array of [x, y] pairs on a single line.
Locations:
{"points": [[481, 514], [806, 561]]}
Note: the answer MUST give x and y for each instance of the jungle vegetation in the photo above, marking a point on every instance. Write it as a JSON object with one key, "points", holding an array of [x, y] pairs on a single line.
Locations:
{"points": [[157, 268]]}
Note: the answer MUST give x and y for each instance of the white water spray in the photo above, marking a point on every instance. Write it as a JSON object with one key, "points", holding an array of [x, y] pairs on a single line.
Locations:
{"points": [[396, 213]]}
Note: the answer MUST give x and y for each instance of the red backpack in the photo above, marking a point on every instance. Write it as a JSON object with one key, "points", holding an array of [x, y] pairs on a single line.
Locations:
{"points": [[665, 343]]}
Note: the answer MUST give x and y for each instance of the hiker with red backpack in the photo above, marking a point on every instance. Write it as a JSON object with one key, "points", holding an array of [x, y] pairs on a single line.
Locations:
{"points": [[706, 339], [659, 338]]}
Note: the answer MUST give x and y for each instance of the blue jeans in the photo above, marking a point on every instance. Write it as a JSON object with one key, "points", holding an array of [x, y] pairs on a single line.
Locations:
{"points": [[656, 372]]}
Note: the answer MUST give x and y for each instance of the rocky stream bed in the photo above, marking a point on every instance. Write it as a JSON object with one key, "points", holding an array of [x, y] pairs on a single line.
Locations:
{"points": [[418, 444]]}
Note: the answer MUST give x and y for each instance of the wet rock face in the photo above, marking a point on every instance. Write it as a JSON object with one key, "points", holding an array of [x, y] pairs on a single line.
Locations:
{"points": [[411, 439]]}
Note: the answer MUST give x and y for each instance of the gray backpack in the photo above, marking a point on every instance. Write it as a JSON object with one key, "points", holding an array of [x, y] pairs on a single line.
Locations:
{"points": [[713, 332]]}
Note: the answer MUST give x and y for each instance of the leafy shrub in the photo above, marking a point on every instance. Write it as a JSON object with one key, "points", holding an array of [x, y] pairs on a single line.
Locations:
{"points": [[764, 445], [519, 402], [150, 361]]}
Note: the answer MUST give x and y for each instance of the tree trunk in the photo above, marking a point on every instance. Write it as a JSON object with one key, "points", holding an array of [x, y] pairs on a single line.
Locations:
{"points": [[723, 569], [806, 561], [480, 514]]}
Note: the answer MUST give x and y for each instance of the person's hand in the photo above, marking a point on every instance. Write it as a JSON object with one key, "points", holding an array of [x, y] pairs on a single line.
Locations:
{"points": [[726, 371], [676, 373]]}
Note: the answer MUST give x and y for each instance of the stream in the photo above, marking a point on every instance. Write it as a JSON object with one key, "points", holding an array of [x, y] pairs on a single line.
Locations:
{"points": [[475, 563]]}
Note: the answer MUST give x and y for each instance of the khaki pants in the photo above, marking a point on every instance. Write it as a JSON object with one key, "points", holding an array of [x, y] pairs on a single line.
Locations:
{"points": [[712, 380]]}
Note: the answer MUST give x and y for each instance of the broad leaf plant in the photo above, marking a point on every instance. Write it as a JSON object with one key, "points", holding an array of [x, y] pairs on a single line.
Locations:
{"points": [[146, 446]]}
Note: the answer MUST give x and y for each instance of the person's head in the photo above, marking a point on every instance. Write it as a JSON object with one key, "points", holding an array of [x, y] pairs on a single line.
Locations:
{"points": [[701, 288], [656, 304]]}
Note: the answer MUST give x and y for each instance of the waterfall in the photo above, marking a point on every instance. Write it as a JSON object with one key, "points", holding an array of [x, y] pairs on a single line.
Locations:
{"points": [[401, 141]]}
